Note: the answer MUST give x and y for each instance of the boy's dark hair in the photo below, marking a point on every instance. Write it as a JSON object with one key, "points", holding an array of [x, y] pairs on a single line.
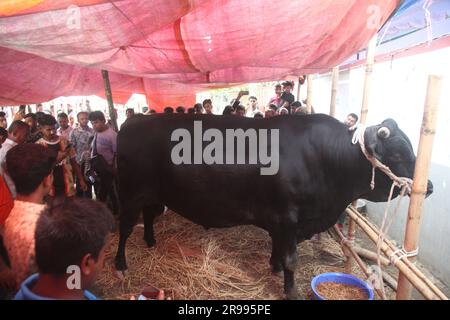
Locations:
{"points": [[67, 230], [3, 133], [129, 109], [198, 107], [252, 97], [47, 120], [190, 110], [30, 115], [240, 108], [296, 104], [354, 116], [96, 115], [63, 115], [82, 112], [278, 85], [228, 110], [258, 115], [2, 114], [288, 84], [180, 109], [17, 125], [168, 110], [207, 101], [28, 164]]}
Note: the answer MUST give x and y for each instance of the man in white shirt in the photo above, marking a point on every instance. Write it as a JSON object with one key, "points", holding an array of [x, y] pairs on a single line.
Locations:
{"points": [[17, 134]]}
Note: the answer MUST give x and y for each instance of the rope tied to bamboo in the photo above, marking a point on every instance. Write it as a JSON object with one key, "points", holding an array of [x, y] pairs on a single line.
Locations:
{"points": [[399, 254]]}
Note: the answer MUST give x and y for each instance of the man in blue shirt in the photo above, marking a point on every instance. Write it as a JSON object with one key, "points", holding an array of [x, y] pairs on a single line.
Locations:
{"points": [[70, 240]]}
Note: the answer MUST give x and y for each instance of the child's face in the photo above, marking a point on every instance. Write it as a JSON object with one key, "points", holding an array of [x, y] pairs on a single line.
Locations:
{"points": [[48, 132], [287, 89], [63, 122]]}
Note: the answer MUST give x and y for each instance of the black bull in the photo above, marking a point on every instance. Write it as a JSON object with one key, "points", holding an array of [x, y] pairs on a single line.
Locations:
{"points": [[320, 173]]}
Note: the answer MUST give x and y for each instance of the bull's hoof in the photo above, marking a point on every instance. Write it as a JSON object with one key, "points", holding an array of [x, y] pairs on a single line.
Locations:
{"points": [[293, 295], [121, 274]]}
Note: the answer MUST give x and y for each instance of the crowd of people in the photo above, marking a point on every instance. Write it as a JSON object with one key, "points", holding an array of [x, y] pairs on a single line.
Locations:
{"points": [[50, 171], [48, 220], [282, 103]]}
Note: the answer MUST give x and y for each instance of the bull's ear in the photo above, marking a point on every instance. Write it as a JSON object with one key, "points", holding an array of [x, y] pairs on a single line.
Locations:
{"points": [[390, 124]]}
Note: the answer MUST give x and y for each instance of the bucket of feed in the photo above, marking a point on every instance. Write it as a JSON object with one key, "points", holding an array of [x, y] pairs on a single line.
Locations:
{"points": [[340, 286]]}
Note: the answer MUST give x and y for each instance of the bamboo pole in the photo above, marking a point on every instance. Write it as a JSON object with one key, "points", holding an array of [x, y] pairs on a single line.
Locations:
{"points": [[371, 255], [309, 85], [410, 275], [334, 84], [420, 179], [354, 214], [298, 88], [108, 94], [370, 59]]}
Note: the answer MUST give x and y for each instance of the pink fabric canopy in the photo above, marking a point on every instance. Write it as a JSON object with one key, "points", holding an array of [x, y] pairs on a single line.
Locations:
{"points": [[170, 49]]}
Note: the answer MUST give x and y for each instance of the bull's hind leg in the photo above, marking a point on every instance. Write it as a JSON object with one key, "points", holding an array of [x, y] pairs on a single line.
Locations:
{"points": [[128, 219], [150, 212], [285, 242], [275, 260]]}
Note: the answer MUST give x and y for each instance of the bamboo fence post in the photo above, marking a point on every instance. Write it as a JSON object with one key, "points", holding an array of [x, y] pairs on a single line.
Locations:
{"points": [[298, 88], [309, 85], [420, 180], [334, 84], [370, 58], [108, 94]]}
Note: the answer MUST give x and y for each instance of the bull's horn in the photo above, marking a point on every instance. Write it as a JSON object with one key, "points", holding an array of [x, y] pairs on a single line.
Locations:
{"points": [[384, 132]]}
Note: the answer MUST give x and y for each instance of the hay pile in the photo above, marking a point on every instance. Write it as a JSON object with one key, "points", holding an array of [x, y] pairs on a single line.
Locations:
{"points": [[189, 262]]}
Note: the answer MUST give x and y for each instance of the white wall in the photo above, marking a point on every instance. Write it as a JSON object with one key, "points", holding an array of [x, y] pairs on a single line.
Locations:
{"points": [[398, 91]]}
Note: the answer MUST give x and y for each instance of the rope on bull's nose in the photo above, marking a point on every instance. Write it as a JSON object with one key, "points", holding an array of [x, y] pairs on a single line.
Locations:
{"points": [[405, 184]]}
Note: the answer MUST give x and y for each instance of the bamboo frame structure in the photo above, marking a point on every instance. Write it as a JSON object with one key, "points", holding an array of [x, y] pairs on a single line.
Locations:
{"points": [[309, 86], [412, 273], [420, 179], [109, 98], [334, 84]]}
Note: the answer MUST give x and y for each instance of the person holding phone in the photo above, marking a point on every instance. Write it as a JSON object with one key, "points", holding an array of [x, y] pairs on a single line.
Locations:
{"points": [[66, 165], [20, 114]]}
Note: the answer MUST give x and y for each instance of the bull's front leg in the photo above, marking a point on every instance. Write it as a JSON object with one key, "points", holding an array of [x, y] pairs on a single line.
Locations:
{"points": [[128, 219], [150, 212]]}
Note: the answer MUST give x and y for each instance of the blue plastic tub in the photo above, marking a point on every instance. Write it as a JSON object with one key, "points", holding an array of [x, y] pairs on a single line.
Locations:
{"points": [[339, 278]]}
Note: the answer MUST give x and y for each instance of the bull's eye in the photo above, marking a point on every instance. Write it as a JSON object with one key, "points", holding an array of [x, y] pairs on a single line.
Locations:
{"points": [[384, 132]]}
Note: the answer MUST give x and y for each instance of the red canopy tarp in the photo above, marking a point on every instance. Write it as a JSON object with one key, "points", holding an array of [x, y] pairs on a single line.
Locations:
{"points": [[170, 49]]}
